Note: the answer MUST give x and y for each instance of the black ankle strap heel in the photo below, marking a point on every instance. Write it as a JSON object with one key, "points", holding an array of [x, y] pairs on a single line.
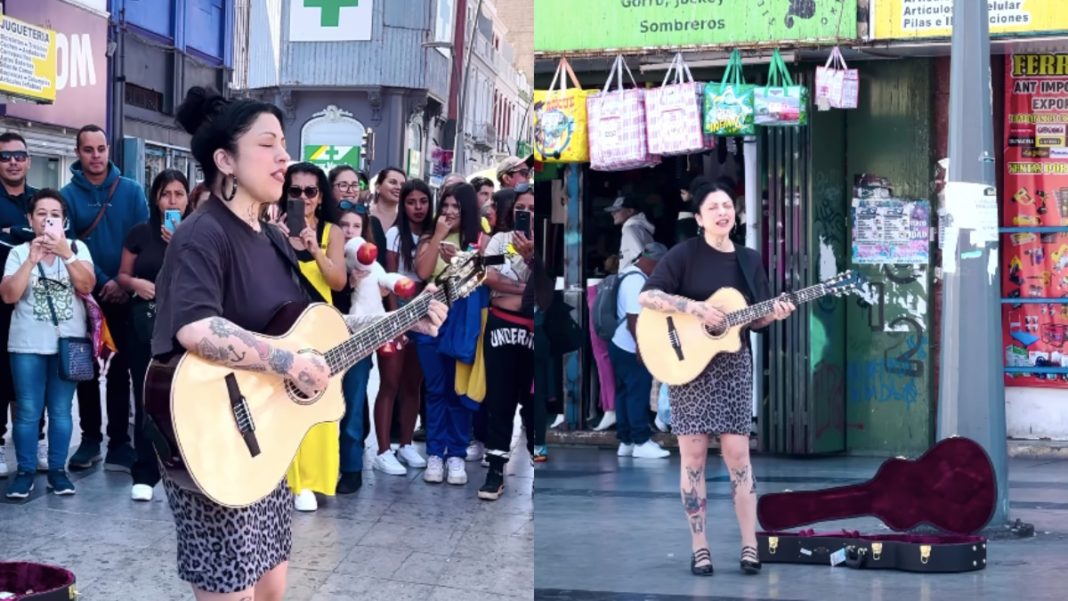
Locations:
{"points": [[701, 555], [750, 562]]}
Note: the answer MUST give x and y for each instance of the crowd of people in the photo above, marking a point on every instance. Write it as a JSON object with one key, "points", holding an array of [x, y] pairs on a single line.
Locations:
{"points": [[82, 264]]}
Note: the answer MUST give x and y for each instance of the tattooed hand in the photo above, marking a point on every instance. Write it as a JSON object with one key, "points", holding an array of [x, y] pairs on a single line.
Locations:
{"points": [[309, 373]]}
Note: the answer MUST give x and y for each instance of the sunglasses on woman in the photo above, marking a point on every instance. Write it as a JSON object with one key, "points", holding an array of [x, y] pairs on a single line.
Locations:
{"points": [[309, 191]]}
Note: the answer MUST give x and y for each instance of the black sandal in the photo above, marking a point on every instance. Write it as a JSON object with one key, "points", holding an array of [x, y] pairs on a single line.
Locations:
{"points": [[750, 560], [702, 570]]}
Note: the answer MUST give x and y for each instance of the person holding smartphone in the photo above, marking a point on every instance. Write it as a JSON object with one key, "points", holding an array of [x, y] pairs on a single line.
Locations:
{"points": [[142, 258], [508, 344], [309, 219], [43, 279]]}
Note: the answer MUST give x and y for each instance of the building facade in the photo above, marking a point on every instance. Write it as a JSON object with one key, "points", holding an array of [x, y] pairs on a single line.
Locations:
{"points": [[364, 84], [163, 48], [81, 83]]}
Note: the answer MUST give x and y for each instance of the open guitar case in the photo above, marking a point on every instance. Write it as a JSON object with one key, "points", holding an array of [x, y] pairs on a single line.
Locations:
{"points": [[951, 487]]}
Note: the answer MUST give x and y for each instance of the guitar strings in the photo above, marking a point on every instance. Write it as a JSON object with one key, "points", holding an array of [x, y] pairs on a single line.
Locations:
{"points": [[759, 310]]}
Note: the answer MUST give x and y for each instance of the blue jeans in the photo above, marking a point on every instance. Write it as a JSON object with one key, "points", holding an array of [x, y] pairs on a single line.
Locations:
{"points": [[38, 385], [354, 386], [448, 422], [633, 385]]}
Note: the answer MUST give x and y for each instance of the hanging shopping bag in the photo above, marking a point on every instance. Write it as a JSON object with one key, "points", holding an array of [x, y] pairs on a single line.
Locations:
{"points": [[560, 120], [780, 102], [617, 125], [729, 104], [837, 86], [673, 113]]}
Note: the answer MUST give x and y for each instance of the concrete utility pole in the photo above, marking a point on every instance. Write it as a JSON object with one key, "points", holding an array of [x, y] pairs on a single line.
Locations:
{"points": [[971, 383]]}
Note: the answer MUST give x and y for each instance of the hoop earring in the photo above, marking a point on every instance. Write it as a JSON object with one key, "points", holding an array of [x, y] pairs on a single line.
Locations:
{"points": [[233, 190]]}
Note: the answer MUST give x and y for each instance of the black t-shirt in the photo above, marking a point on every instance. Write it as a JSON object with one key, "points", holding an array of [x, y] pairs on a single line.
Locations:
{"points": [[147, 243], [379, 235], [695, 270], [218, 266]]}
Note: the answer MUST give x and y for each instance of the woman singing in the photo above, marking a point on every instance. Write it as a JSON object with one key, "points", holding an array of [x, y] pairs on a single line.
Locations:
{"points": [[719, 400], [225, 274]]}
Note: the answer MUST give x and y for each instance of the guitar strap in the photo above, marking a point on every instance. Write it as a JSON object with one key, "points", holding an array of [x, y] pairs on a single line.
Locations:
{"points": [[281, 246]]}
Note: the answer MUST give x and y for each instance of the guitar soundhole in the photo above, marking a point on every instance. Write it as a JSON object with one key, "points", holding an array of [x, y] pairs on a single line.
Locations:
{"points": [[715, 333], [299, 397]]}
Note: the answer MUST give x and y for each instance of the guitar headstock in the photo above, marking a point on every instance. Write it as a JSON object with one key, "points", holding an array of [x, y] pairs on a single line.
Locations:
{"points": [[844, 283], [464, 275]]}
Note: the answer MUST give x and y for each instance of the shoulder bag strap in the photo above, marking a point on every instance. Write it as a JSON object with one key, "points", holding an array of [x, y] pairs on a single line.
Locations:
{"points": [[294, 267], [103, 208], [48, 296]]}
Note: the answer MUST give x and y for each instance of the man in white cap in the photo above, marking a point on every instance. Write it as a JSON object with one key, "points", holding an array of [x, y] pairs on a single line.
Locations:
{"points": [[633, 380], [513, 171], [637, 230]]}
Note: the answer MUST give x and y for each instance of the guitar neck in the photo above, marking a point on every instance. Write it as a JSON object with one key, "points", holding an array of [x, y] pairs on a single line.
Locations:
{"points": [[755, 312], [366, 340]]}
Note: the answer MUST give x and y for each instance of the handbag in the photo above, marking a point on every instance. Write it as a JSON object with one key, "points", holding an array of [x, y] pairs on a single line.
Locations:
{"points": [[617, 135], [780, 102], [729, 104], [560, 123], [75, 353], [673, 114], [837, 86]]}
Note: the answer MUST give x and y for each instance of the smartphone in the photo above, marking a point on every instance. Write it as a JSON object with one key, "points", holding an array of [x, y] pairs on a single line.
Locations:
{"points": [[171, 219], [523, 222], [53, 227], [295, 217]]}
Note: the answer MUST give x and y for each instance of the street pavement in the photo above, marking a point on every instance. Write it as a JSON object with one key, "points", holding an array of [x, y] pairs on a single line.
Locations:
{"points": [[613, 528], [398, 538]]}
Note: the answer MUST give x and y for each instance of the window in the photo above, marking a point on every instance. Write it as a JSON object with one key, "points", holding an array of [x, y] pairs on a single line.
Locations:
{"points": [[443, 24]]}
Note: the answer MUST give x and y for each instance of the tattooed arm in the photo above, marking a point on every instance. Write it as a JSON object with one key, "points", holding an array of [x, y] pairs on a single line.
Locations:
{"points": [[221, 341]]}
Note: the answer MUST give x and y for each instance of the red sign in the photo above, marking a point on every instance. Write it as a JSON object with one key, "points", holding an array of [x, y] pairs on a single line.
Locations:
{"points": [[1035, 261], [81, 64]]}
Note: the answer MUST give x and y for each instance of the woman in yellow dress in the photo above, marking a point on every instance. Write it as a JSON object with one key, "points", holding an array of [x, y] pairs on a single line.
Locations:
{"points": [[321, 252]]}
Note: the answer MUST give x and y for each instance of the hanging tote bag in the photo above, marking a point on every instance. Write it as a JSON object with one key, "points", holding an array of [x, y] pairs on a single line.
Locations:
{"points": [[560, 120], [837, 86], [617, 125], [729, 104], [75, 353], [673, 113], [780, 102]]}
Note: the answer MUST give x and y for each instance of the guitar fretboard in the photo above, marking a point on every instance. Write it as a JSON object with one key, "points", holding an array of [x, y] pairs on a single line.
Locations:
{"points": [[371, 337], [755, 312]]}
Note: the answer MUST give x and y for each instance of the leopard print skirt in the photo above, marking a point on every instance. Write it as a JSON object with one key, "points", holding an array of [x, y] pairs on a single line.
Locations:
{"points": [[719, 401], [225, 550]]}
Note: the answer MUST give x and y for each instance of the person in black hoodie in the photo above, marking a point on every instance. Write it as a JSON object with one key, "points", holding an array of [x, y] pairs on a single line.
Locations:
{"points": [[104, 206]]}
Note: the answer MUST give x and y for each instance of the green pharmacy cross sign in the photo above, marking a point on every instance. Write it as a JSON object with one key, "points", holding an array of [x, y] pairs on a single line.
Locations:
{"points": [[327, 156], [330, 10]]}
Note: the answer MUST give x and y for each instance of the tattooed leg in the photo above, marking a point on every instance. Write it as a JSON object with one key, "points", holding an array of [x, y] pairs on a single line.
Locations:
{"points": [[743, 484], [693, 451]]}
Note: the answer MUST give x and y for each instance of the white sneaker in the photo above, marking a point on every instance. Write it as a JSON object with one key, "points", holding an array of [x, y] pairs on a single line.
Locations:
{"points": [[387, 463], [411, 457], [559, 421], [42, 456], [650, 450], [476, 451], [625, 450], [3, 462], [435, 470], [607, 421], [141, 492], [660, 425], [457, 471], [306, 501]]}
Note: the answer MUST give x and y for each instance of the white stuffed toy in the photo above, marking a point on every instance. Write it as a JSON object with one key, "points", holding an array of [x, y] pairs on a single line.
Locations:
{"points": [[361, 255]]}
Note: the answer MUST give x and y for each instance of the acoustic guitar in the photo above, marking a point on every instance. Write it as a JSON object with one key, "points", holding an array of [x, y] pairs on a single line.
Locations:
{"points": [[677, 347], [231, 434]]}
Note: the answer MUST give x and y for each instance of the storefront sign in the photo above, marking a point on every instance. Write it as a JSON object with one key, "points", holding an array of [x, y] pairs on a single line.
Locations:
{"points": [[81, 82], [415, 163], [632, 24], [901, 19], [29, 66], [329, 157], [330, 20], [1035, 263]]}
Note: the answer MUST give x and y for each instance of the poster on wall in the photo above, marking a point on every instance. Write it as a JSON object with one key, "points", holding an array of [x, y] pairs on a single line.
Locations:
{"points": [[1034, 259], [891, 231]]}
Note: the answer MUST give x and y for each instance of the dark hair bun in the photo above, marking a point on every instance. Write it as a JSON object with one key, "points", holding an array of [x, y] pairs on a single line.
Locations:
{"points": [[200, 106]]}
